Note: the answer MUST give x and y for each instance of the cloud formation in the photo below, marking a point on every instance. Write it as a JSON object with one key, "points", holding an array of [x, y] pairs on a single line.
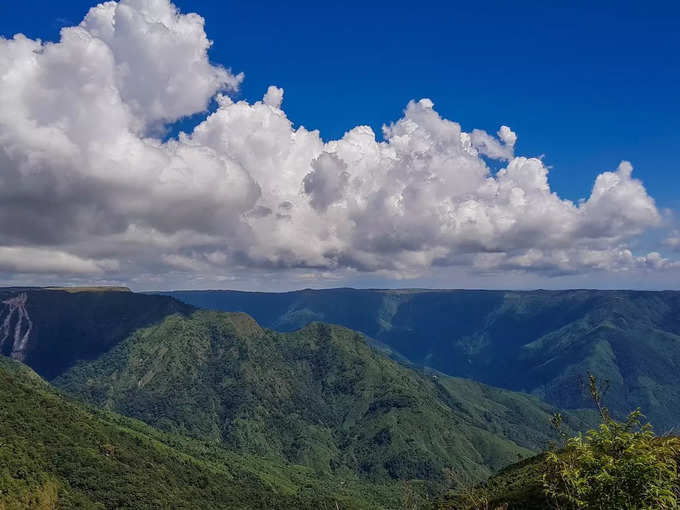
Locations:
{"points": [[88, 187]]}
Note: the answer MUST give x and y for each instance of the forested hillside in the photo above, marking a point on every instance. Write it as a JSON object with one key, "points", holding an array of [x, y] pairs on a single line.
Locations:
{"points": [[320, 397], [51, 329], [540, 342], [56, 454]]}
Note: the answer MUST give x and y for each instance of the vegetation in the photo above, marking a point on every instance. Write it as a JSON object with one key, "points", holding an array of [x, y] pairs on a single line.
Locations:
{"points": [[71, 326], [540, 342], [620, 464], [56, 454], [319, 397], [237, 416]]}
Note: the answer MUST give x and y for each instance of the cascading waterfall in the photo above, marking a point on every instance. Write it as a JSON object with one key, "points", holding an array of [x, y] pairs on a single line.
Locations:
{"points": [[16, 315]]}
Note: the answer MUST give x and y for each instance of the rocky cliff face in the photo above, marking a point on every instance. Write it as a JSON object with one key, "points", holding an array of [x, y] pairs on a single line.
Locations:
{"points": [[52, 329], [15, 326]]}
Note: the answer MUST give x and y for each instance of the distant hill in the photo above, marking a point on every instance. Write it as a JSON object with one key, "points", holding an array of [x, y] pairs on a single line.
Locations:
{"points": [[56, 454], [51, 329], [539, 342], [91, 289], [320, 397]]}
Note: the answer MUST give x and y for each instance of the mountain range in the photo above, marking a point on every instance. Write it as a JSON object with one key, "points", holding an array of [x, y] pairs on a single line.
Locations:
{"points": [[52, 329], [538, 342], [115, 399], [319, 397], [317, 415]]}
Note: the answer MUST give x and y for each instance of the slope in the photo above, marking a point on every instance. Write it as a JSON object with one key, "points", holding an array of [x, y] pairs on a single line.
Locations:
{"points": [[57, 454], [539, 342], [319, 396], [51, 329]]}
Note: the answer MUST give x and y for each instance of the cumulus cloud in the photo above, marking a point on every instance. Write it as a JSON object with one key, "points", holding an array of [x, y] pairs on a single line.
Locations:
{"points": [[160, 64], [491, 147], [86, 183], [327, 182], [26, 259], [273, 97]]}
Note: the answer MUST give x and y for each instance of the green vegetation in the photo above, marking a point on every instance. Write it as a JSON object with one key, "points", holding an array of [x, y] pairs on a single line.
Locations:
{"points": [[71, 326], [619, 465], [539, 342], [56, 454], [222, 413], [319, 397], [520, 486]]}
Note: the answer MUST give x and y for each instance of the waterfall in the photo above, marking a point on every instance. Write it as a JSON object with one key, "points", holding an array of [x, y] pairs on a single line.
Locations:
{"points": [[20, 333]]}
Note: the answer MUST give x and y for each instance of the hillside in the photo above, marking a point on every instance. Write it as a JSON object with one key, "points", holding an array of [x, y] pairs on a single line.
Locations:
{"points": [[540, 342], [521, 486], [320, 397], [56, 454], [51, 329]]}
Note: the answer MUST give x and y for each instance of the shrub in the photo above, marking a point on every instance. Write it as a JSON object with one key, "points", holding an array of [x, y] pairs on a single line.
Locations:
{"points": [[619, 465]]}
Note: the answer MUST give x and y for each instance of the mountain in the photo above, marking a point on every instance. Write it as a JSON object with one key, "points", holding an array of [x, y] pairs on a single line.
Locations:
{"points": [[56, 454], [540, 342], [320, 397], [50, 329]]}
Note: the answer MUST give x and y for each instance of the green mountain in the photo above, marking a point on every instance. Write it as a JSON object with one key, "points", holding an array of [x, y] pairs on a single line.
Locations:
{"points": [[57, 454], [539, 342], [232, 415], [320, 397]]}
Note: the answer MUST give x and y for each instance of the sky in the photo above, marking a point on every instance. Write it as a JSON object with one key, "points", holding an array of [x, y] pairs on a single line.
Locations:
{"points": [[270, 147]]}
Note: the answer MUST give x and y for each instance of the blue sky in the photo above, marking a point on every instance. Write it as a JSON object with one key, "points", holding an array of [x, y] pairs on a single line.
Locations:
{"points": [[587, 84], [584, 85]]}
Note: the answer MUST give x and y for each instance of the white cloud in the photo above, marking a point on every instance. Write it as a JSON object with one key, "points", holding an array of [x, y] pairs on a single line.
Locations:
{"points": [[507, 135], [327, 183], [273, 97], [27, 259], [161, 69], [490, 146], [83, 176]]}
